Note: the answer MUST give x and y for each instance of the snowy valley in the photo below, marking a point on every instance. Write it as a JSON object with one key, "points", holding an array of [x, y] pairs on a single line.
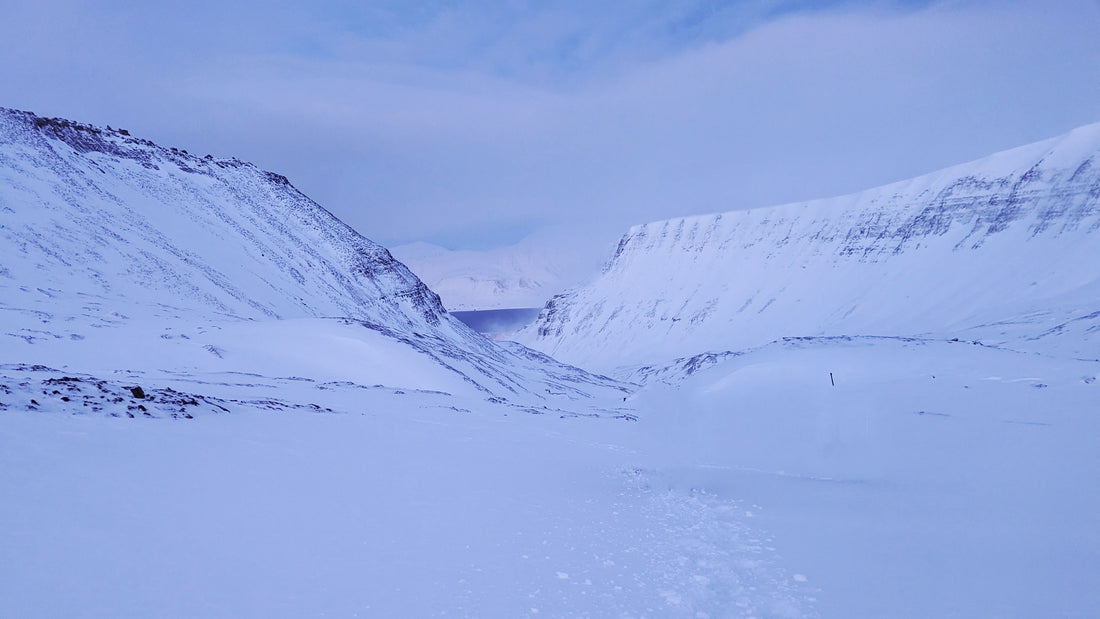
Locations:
{"points": [[216, 399]]}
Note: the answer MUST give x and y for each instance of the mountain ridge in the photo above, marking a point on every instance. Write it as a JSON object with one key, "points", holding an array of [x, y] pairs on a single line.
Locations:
{"points": [[115, 247], [861, 264], [161, 191]]}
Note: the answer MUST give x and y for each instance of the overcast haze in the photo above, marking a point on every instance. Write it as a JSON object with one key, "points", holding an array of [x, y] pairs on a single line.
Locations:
{"points": [[475, 124]]}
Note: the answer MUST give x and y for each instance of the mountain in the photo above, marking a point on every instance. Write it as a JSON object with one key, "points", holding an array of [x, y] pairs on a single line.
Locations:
{"points": [[99, 214], [216, 400], [211, 385], [474, 280], [1004, 250], [522, 275], [862, 371], [117, 249]]}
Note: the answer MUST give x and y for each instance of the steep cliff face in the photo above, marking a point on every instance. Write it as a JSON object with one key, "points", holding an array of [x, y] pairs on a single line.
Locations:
{"points": [[1006, 249], [101, 217]]}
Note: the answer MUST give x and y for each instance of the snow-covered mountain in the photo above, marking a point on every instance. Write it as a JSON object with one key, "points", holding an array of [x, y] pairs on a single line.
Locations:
{"points": [[865, 369], [115, 249], [475, 280], [522, 275], [208, 381], [1005, 250], [114, 220]]}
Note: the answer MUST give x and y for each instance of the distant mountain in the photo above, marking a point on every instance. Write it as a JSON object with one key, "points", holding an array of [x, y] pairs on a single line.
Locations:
{"points": [[1005, 250], [474, 280], [522, 275], [108, 237]]}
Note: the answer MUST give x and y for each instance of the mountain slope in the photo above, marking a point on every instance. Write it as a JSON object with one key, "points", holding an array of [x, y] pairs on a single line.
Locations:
{"points": [[104, 215], [1004, 249], [116, 248]]}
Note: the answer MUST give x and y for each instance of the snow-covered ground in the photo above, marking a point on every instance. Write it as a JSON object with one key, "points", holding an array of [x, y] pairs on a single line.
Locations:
{"points": [[935, 479], [417, 504], [218, 401]]}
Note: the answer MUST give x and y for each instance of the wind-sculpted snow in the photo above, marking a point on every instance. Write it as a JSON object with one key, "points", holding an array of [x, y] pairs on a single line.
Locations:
{"points": [[1004, 249]]}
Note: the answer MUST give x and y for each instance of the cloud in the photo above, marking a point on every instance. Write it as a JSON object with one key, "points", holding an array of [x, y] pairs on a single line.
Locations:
{"points": [[474, 124]]}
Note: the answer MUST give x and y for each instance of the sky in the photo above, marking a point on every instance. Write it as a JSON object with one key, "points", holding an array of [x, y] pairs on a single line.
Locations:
{"points": [[473, 125]]}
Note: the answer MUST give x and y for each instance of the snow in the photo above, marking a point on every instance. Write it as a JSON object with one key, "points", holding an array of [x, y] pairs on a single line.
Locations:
{"points": [[103, 220], [475, 280], [1003, 250], [315, 436], [387, 505], [525, 274], [937, 478], [902, 383], [114, 244]]}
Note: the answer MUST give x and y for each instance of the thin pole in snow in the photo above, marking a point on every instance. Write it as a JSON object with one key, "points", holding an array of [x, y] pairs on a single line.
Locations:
{"points": [[831, 382]]}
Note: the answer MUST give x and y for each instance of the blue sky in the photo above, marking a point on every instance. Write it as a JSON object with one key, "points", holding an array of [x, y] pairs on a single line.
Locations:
{"points": [[473, 124]]}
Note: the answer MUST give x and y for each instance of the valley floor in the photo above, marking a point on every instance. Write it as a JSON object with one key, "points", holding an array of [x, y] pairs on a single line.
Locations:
{"points": [[407, 505], [934, 479]]}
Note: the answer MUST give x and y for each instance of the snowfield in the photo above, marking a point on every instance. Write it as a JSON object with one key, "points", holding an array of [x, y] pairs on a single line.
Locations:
{"points": [[935, 479], [217, 400], [408, 504]]}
